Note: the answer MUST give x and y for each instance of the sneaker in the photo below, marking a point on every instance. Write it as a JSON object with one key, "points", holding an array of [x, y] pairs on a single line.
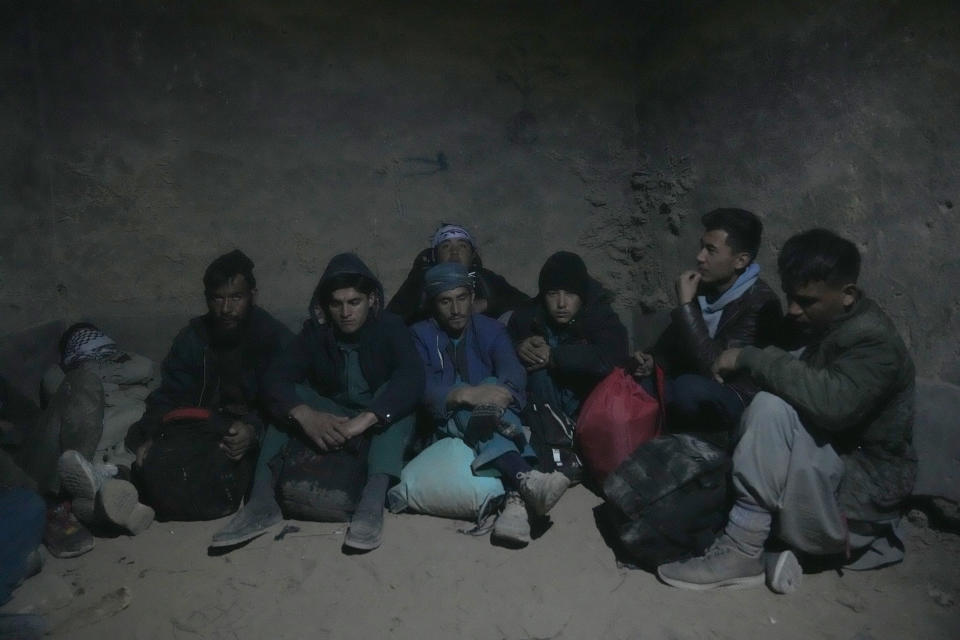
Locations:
{"points": [[723, 565], [366, 530], [119, 503], [783, 571], [541, 491], [246, 524], [82, 480], [64, 536], [513, 524]]}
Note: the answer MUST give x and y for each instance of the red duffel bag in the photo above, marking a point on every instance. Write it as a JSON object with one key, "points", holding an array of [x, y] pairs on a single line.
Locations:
{"points": [[616, 418]]}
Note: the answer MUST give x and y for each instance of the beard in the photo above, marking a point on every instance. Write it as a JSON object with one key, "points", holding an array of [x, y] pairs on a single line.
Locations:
{"points": [[221, 336]]}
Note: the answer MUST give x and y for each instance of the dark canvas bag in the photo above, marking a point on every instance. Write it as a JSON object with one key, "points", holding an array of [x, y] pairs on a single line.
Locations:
{"points": [[320, 486], [186, 475], [669, 499]]}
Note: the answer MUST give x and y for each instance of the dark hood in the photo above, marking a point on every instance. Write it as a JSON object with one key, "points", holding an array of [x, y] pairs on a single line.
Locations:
{"points": [[344, 264]]}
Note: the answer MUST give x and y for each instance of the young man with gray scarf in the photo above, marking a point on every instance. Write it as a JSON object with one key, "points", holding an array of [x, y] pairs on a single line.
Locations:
{"points": [[722, 304]]}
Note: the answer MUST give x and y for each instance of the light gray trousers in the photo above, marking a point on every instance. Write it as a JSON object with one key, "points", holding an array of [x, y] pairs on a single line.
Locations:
{"points": [[779, 467]]}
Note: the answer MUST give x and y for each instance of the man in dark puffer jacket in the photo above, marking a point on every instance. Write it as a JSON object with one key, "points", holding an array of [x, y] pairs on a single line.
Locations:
{"points": [[568, 337]]}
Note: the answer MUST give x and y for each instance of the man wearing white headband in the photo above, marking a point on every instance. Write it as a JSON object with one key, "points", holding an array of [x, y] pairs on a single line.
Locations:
{"points": [[453, 243]]}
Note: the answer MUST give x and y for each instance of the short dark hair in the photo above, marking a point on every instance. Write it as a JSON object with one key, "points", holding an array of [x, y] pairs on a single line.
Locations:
{"points": [[743, 228], [66, 335], [357, 281], [224, 268], [817, 255]]}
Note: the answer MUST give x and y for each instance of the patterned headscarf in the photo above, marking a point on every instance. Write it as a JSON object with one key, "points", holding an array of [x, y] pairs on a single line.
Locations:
{"points": [[88, 343], [451, 232], [444, 277]]}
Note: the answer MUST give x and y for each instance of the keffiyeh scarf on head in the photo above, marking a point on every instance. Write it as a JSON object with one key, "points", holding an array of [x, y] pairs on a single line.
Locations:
{"points": [[88, 344], [451, 232]]}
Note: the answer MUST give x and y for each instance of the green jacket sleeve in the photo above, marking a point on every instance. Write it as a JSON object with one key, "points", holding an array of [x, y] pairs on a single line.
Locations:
{"points": [[837, 396]]}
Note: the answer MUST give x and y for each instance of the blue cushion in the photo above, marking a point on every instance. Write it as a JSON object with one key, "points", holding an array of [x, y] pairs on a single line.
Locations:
{"points": [[439, 482]]}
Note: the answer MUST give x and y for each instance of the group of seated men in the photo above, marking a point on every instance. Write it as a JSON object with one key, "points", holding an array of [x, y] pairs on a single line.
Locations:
{"points": [[815, 407]]}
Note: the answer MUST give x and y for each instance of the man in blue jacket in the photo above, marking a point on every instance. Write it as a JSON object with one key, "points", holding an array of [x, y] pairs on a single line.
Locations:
{"points": [[475, 388]]}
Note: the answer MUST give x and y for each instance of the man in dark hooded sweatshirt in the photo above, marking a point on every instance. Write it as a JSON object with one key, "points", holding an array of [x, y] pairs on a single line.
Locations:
{"points": [[568, 337], [352, 370]]}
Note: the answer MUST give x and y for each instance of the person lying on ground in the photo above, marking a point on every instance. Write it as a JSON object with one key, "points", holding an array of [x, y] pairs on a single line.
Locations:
{"points": [[453, 243], [722, 304], [351, 373], [127, 379], [475, 389], [32, 441], [217, 364], [826, 447]]}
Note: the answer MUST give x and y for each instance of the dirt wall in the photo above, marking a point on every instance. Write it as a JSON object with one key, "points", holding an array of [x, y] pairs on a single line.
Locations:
{"points": [[144, 139]]}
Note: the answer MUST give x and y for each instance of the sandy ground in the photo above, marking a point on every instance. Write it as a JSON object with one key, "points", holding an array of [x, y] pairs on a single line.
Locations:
{"points": [[429, 581]]}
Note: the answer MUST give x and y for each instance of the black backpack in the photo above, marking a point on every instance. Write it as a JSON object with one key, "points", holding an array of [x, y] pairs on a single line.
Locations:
{"points": [[551, 438], [668, 501], [187, 476]]}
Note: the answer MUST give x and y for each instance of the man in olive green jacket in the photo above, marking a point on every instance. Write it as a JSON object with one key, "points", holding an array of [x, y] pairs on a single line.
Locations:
{"points": [[826, 448]]}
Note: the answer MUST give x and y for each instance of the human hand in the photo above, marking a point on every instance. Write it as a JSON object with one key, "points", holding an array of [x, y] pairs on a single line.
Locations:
{"points": [[238, 440], [320, 427], [495, 394], [687, 285], [646, 364], [534, 353], [725, 364], [357, 424]]}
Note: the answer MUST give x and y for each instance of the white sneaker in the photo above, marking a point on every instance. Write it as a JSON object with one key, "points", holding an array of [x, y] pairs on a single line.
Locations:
{"points": [[82, 480], [513, 524], [120, 503], [541, 491]]}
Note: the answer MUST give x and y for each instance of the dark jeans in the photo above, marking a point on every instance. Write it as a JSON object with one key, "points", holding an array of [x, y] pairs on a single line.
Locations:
{"points": [[699, 405], [22, 518], [542, 388]]}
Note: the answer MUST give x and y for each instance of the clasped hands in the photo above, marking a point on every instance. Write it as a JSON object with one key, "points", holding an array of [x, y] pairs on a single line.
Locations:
{"points": [[481, 394], [329, 431], [534, 353]]}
